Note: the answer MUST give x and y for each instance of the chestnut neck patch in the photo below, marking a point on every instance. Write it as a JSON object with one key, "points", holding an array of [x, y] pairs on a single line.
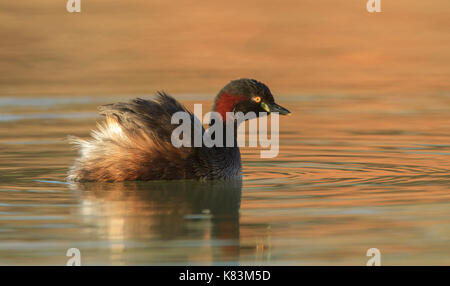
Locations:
{"points": [[226, 102]]}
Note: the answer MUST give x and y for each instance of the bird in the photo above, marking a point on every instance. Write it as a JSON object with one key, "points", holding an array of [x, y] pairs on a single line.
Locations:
{"points": [[133, 143]]}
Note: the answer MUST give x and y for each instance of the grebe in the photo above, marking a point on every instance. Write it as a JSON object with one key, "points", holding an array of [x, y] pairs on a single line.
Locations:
{"points": [[134, 142]]}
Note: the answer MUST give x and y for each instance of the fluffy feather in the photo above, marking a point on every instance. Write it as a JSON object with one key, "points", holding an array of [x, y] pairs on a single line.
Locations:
{"points": [[133, 143]]}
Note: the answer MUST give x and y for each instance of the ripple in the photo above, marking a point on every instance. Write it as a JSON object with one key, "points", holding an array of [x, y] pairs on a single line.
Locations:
{"points": [[71, 115]]}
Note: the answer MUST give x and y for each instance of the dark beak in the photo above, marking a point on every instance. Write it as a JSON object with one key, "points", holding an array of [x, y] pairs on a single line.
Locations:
{"points": [[273, 107]]}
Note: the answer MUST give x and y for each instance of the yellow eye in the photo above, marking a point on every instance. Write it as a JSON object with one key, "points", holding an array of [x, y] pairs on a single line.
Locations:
{"points": [[257, 99]]}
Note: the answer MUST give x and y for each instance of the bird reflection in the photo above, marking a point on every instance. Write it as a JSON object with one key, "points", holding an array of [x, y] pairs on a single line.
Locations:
{"points": [[163, 211]]}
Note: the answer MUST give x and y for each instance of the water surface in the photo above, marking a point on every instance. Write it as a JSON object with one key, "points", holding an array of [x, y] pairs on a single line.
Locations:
{"points": [[353, 173]]}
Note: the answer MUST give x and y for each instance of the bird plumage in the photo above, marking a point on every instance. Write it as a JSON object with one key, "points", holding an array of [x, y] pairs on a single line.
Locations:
{"points": [[134, 142]]}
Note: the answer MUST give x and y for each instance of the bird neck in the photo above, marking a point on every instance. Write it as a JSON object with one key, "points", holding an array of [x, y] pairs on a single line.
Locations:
{"points": [[225, 102], [226, 130]]}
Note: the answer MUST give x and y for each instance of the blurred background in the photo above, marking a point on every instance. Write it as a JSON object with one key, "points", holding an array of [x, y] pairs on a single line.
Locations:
{"points": [[309, 46], [364, 160]]}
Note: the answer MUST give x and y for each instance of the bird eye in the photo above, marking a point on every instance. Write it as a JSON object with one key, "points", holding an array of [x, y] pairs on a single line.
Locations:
{"points": [[257, 99]]}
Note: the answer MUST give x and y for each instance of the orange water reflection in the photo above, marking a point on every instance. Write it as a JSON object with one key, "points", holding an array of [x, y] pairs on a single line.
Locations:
{"points": [[118, 47]]}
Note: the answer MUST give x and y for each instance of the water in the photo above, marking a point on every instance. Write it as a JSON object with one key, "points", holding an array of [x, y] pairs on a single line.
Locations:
{"points": [[354, 172], [364, 159], [197, 46]]}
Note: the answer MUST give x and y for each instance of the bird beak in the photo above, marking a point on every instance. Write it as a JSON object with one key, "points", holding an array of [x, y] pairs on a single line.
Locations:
{"points": [[273, 107]]}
